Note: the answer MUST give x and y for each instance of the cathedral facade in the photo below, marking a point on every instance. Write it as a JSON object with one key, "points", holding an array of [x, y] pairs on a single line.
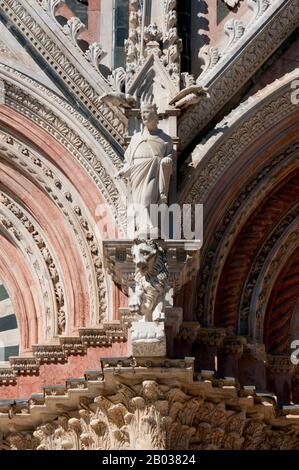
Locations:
{"points": [[113, 336]]}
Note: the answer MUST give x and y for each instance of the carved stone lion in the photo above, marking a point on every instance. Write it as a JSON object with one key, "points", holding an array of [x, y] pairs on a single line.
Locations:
{"points": [[151, 276]]}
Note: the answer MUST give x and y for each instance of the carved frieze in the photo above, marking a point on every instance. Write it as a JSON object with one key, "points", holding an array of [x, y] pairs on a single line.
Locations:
{"points": [[175, 416]]}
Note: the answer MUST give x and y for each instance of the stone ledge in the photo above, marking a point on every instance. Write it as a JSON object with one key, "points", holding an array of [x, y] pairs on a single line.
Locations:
{"points": [[102, 336]]}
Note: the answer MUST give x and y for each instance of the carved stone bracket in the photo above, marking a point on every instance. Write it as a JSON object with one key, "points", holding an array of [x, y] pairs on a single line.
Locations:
{"points": [[182, 258], [150, 273]]}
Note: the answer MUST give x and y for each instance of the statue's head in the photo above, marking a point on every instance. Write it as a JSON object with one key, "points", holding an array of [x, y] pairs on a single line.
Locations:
{"points": [[149, 116], [144, 254]]}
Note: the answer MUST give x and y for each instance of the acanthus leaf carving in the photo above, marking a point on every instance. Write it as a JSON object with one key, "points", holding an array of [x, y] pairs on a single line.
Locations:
{"points": [[94, 54], [157, 416], [73, 28], [258, 6], [234, 28], [209, 55], [50, 6]]}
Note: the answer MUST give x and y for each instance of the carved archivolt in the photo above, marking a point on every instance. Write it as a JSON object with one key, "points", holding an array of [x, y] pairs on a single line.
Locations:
{"points": [[88, 146], [233, 135], [87, 84], [281, 311], [246, 53], [222, 150], [216, 249], [154, 416], [277, 258], [50, 264], [68, 202], [262, 257]]}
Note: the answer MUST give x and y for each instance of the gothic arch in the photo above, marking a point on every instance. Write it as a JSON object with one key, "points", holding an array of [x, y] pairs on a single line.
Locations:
{"points": [[50, 227], [252, 154]]}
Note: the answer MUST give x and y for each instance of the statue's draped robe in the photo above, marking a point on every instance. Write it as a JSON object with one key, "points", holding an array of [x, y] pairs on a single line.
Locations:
{"points": [[143, 169]]}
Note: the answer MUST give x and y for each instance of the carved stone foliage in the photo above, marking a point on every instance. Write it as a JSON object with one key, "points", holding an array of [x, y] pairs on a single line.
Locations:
{"points": [[132, 44], [258, 6], [162, 41], [152, 416], [209, 55], [234, 29], [72, 29], [94, 54], [172, 44]]}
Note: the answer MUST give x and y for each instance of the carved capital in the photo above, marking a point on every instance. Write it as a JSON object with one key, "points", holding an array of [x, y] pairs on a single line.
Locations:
{"points": [[233, 345], [254, 352], [210, 336], [189, 331], [280, 365]]}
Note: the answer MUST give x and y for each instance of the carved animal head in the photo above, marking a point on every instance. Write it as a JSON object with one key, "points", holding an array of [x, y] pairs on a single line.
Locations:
{"points": [[144, 255]]}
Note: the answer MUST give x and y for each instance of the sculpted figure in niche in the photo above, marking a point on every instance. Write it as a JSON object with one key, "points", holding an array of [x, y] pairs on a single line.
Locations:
{"points": [[148, 166]]}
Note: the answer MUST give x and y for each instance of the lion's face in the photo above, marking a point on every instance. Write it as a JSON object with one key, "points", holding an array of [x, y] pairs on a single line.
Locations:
{"points": [[144, 255]]}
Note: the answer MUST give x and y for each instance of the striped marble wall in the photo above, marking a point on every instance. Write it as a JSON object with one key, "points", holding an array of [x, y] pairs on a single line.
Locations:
{"points": [[9, 332]]}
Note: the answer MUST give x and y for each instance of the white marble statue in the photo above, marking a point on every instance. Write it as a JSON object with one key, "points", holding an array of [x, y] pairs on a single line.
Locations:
{"points": [[148, 165], [151, 281], [148, 299]]}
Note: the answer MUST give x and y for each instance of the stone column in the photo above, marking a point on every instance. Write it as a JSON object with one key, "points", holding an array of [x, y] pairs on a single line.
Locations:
{"points": [[205, 348], [183, 342], [280, 371], [252, 366], [229, 355]]}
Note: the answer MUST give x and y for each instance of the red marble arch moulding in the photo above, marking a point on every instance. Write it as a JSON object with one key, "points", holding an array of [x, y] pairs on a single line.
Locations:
{"points": [[27, 313]]}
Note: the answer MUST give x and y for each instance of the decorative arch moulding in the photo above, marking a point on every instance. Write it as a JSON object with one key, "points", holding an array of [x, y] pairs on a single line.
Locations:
{"points": [[45, 36]]}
